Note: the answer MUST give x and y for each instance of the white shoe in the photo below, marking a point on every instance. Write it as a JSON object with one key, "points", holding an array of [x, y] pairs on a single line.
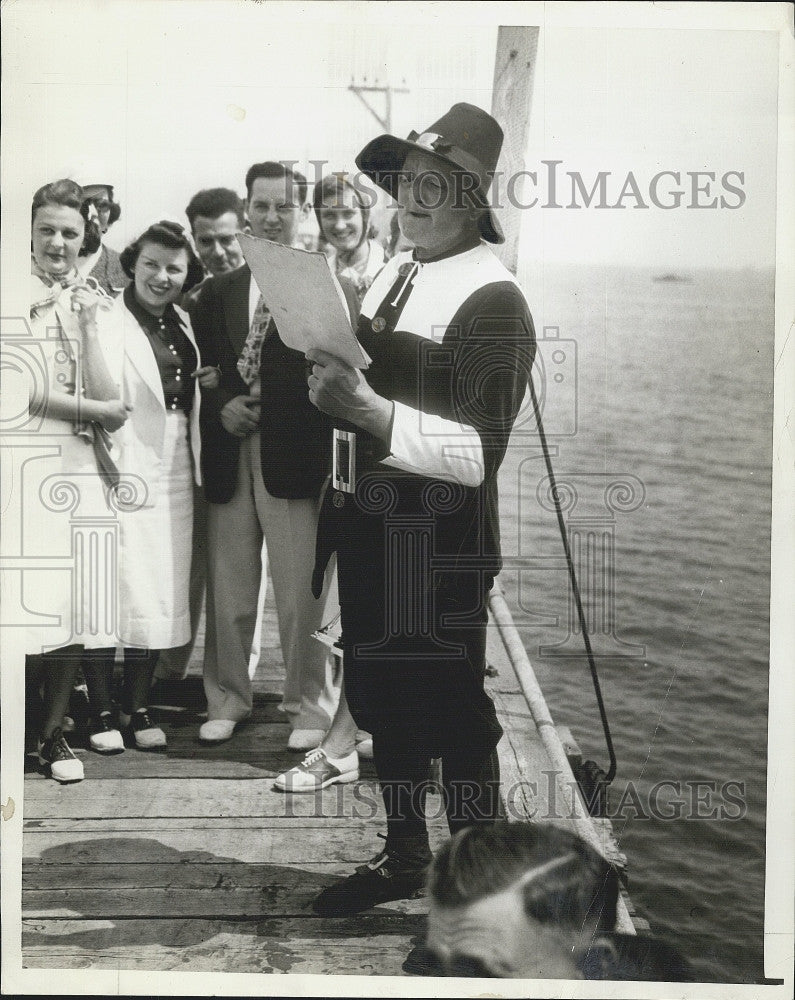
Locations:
{"points": [[57, 754], [317, 771], [364, 745], [145, 733], [150, 739], [104, 738], [305, 739], [216, 730]]}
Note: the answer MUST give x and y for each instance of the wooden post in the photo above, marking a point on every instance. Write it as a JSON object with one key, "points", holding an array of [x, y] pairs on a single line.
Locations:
{"points": [[512, 95]]}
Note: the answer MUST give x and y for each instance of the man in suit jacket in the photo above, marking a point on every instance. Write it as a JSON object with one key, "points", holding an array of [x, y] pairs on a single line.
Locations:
{"points": [[215, 216], [266, 452]]}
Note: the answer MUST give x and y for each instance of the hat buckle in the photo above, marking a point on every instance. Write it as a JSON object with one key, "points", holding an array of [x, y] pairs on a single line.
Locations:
{"points": [[466, 138]]}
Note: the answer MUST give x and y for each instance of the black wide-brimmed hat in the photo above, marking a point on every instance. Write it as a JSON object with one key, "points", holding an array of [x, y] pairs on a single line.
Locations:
{"points": [[466, 138]]}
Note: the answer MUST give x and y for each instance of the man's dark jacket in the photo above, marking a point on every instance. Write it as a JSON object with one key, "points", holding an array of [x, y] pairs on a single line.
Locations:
{"points": [[295, 436]]}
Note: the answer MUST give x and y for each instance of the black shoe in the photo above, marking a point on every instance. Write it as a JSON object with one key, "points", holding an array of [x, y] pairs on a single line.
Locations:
{"points": [[420, 961], [384, 878]]}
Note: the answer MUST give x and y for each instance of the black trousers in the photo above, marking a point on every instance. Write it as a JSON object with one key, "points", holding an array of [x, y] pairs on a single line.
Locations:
{"points": [[139, 668], [470, 791], [414, 642]]}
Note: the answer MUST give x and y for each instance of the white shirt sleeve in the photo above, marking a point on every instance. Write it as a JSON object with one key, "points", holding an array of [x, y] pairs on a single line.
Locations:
{"points": [[429, 445]]}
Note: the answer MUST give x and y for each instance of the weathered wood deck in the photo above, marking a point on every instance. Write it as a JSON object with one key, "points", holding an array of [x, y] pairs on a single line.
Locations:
{"points": [[189, 860]]}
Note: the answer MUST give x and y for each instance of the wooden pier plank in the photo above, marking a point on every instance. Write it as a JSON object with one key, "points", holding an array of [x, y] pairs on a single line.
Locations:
{"points": [[209, 800], [283, 893], [371, 944], [219, 875], [281, 841], [190, 860]]}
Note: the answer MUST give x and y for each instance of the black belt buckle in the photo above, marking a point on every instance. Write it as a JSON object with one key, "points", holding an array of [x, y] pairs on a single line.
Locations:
{"points": [[343, 467]]}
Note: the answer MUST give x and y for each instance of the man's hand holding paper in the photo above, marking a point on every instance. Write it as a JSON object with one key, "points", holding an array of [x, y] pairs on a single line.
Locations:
{"points": [[343, 392], [304, 298]]}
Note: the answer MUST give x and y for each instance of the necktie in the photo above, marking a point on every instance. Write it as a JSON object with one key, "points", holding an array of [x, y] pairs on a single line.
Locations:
{"points": [[248, 362]]}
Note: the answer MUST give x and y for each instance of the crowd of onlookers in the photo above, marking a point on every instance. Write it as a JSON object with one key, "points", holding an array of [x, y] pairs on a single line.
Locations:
{"points": [[164, 395]]}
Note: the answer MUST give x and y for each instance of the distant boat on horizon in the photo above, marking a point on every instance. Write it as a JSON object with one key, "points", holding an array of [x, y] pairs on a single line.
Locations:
{"points": [[671, 276]]}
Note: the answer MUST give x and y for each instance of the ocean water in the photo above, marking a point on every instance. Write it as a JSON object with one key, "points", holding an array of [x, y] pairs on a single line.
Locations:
{"points": [[659, 410]]}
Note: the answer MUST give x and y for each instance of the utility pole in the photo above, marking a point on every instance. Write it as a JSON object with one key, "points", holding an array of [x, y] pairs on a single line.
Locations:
{"points": [[360, 89]]}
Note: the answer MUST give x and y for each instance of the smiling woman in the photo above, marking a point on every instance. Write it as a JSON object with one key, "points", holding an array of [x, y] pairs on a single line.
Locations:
{"points": [[343, 217], [150, 345], [158, 273]]}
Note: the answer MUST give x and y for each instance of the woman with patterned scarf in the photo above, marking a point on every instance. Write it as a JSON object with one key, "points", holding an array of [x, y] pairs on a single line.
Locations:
{"points": [[343, 216], [80, 463]]}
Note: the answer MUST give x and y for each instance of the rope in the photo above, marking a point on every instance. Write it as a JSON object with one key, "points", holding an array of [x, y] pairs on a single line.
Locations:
{"points": [[574, 585]]}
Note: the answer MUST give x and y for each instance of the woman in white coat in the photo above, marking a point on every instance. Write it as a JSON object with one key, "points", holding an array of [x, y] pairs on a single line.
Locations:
{"points": [[152, 355], [69, 430]]}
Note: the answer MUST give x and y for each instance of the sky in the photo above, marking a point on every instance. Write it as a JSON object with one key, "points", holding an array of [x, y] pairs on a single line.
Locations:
{"points": [[168, 97]]}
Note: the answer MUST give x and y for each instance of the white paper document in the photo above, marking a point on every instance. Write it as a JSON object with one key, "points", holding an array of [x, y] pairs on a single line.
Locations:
{"points": [[305, 299]]}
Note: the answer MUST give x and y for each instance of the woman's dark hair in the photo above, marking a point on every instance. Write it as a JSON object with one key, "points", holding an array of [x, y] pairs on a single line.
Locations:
{"points": [[68, 194], [565, 881], [212, 202], [272, 169], [165, 234], [327, 190]]}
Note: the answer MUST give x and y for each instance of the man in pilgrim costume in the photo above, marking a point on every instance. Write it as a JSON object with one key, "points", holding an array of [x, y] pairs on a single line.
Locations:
{"points": [[412, 510]]}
